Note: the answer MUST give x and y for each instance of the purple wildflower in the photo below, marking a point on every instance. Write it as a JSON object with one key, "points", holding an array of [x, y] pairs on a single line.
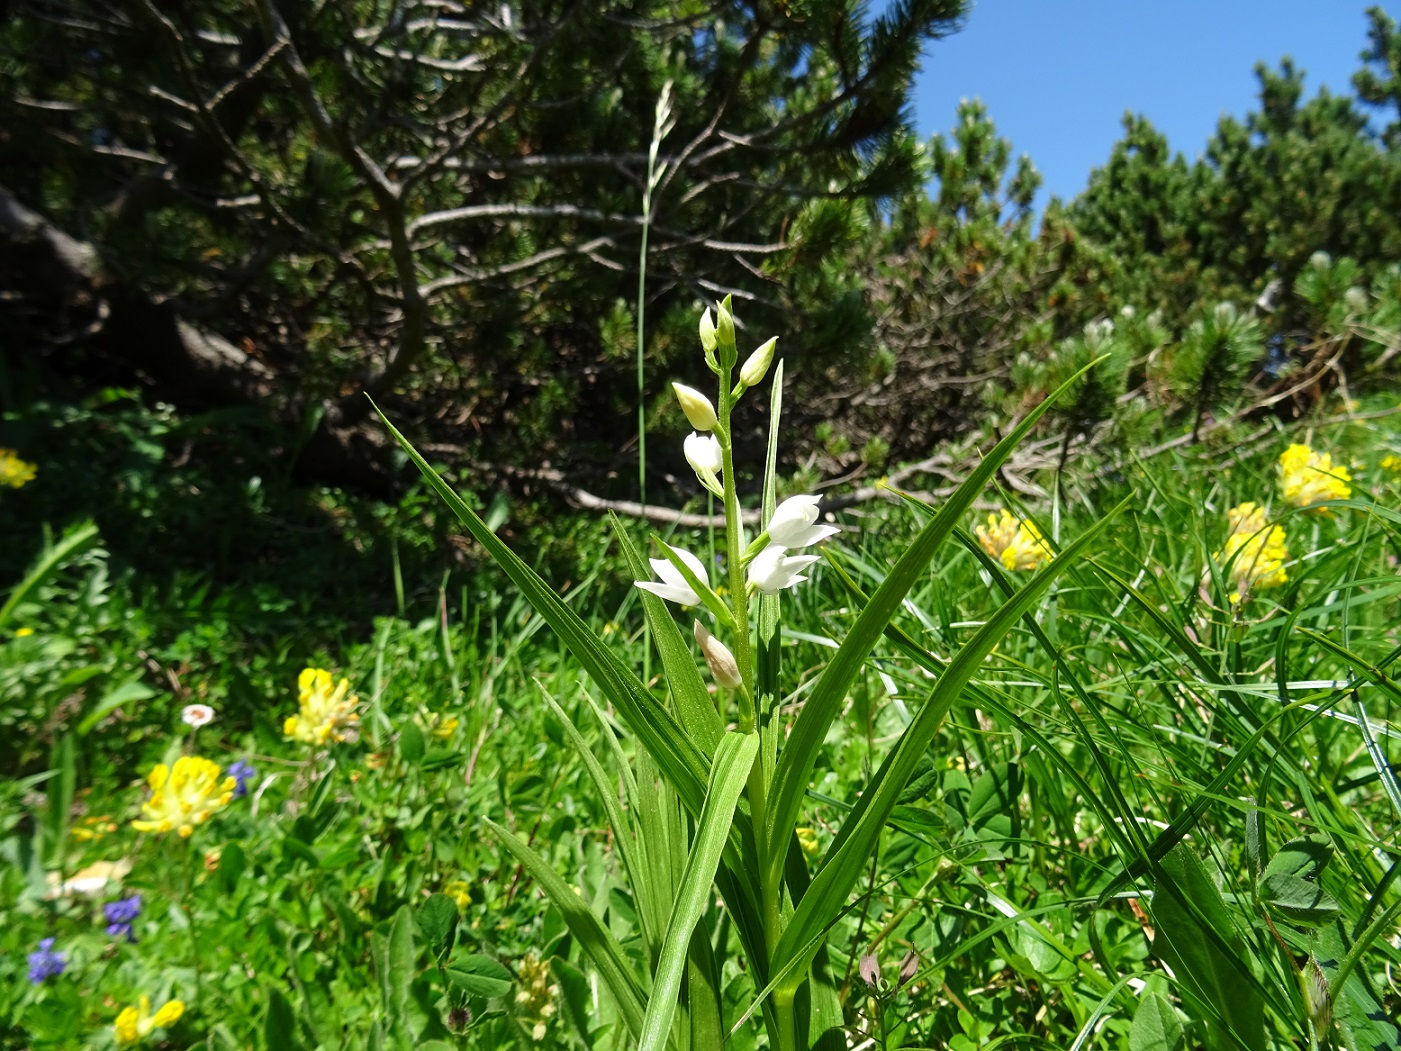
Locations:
{"points": [[120, 915], [45, 963], [242, 773]]}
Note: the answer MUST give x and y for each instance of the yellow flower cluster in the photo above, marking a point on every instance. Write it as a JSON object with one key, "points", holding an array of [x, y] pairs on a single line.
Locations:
{"points": [[807, 839], [327, 713], [459, 892], [1391, 462], [184, 796], [1307, 478], [1017, 544], [134, 1024], [536, 996], [1255, 552], [443, 725], [14, 472]]}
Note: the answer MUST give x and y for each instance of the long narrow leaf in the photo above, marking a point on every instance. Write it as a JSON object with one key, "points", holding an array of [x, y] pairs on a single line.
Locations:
{"points": [[799, 755], [733, 757], [595, 939], [847, 858], [676, 754]]}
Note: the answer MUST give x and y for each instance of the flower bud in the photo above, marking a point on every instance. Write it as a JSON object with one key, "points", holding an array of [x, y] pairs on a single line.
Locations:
{"points": [[909, 966], [725, 332], [869, 969], [718, 657], [707, 333], [697, 407], [753, 370]]}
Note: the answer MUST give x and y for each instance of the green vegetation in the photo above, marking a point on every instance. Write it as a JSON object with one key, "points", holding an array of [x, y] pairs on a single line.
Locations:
{"points": [[1065, 719]]}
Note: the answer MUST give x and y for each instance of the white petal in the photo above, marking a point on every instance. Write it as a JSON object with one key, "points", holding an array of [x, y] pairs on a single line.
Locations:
{"points": [[703, 452], [672, 593], [791, 518], [806, 537]]}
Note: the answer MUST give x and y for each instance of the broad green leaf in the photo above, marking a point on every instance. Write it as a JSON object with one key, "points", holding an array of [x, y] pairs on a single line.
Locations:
{"points": [[1198, 941], [596, 941], [60, 802], [480, 976], [437, 919], [1365, 1025], [694, 704], [799, 755], [232, 863], [849, 855], [1305, 857], [1297, 899], [1156, 1026], [678, 756], [734, 756]]}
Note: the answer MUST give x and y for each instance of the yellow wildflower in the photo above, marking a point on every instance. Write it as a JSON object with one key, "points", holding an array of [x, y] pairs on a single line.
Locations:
{"points": [[326, 714], [1017, 544], [23, 633], [92, 827], [1391, 463], [14, 472], [184, 796], [807, 839], [134, 1024], [443, 726], [458, 891], [1307, 478], [1255, 552]]}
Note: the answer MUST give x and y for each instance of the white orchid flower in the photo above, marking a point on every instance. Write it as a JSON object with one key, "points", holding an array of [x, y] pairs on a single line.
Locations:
{"points": [[773, 569], [704, 455], [794, 523], [673, 586]]}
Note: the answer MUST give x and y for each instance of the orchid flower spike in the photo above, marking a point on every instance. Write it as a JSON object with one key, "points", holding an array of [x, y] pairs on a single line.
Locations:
{"points": [[673, 586], [704, 455], [773, 569], [697, 407], [794, 523]]}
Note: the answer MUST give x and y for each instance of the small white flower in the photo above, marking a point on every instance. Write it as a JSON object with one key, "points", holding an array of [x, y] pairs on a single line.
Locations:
{"points": [[673, 586], [794, 523], [773, 569], [196, 715], [704, 455]]}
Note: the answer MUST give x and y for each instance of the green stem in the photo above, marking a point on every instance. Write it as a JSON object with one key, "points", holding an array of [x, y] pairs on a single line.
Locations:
{"points": [[787, 1030]]}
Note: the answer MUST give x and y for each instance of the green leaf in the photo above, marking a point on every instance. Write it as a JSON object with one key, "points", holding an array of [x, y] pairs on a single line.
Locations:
{"points": [[1305, 857], [437, 919], [676, 754], [396, 981], [60, 802], [596, 941], [1297, 899], [734, 756], [480, 976], [131, 690], [848, 857], [441, 759], [280, 1027], [704, 592], [1156, 1026], [411, 742], [1198, 941], [75, 540], [799, 755]]}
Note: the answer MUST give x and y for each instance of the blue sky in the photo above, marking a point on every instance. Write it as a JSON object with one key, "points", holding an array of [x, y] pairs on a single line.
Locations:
{"points": [[1057, 75]]}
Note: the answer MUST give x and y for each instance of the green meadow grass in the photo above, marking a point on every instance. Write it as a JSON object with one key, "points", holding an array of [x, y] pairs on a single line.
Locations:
{"points": [[1149, 821]]}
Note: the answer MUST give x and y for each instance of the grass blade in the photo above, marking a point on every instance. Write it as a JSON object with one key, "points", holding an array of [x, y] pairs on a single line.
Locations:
{"points": [[847, 858], [733, 758], [595, 939], [676, 754]]}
